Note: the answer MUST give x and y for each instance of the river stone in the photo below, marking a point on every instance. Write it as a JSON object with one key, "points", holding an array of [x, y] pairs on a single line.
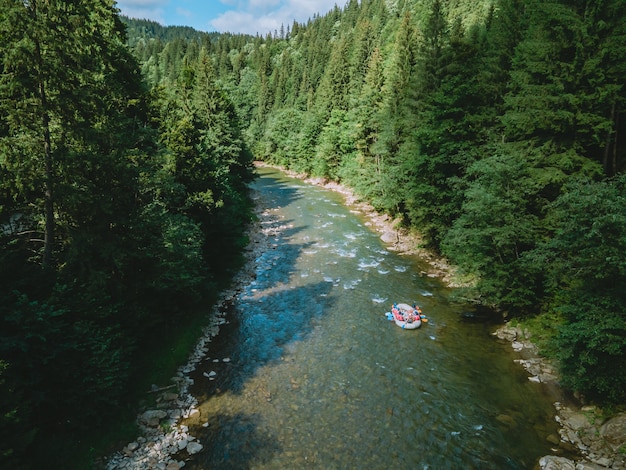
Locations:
{"points": [[152, 417], [506, 419], [194, 447], [389, 237], [578, 421], [507, 333], [584, 465], [614, 431], [552, 462], [554, 439]]}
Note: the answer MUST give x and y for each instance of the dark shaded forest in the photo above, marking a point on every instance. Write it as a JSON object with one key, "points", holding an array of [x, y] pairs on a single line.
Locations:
{"points": [[122, 214], [496, 129]]}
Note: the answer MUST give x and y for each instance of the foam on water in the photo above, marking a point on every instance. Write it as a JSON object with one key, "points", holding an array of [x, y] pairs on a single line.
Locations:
{"points": [[344, 253], [368, 263], [351, 284], [377, 299]]}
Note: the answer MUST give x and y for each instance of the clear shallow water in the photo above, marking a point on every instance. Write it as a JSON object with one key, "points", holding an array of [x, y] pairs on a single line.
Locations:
{"points": [[310, 373]]}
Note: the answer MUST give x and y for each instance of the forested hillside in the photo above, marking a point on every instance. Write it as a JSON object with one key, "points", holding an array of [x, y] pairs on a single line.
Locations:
{"points": [[495, 128], [122, 213]]}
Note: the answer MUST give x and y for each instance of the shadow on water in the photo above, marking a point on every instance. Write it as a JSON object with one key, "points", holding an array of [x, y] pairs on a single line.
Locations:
{"points": [[248, 343], [269, 315], [259, 337], [251, 445]]}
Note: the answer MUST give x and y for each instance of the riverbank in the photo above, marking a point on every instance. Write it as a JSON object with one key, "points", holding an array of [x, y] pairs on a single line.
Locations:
{"points": [[165, 443], [588, 440]]}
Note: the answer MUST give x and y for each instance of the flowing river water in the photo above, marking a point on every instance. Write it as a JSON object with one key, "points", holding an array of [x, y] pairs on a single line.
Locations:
{"points": [[310, 374]]}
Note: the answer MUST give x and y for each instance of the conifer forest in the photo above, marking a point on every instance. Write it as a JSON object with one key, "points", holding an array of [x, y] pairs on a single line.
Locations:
{"points": [[494, 128]]}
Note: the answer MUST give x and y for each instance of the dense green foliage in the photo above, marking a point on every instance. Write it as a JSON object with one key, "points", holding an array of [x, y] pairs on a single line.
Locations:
{"points": [[497, 129], [121, 211]]}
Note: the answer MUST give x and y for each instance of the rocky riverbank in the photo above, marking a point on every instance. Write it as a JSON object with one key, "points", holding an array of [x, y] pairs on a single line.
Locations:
{"points": [[587, 440], [165, 443]]}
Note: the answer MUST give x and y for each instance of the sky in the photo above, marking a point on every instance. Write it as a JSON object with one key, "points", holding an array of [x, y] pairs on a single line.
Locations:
{"points": [[234, 16]]}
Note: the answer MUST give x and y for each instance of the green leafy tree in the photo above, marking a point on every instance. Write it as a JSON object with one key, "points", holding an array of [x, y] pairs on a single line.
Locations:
{"points": [[567, 81], [587, 265], [396, 117], [447, 99], [366, 171], [210, 159], [495, 230], [74, 142], [336, 146], [280, 141]]}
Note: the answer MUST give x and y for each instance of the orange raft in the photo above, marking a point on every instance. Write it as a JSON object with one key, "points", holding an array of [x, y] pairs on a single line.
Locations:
{"points": [[405, 316]]}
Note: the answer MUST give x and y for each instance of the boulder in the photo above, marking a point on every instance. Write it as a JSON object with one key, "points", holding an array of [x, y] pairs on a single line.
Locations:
{"points": [[507, 333], [169, 396], [552, 462], [584, 465], [152, 418], [182, 444], [194, 447], [614, 431], [389, 237]]}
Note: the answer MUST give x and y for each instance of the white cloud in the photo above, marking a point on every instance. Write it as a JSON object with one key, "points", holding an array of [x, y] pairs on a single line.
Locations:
{"points": [[264, 16], [241, 16], [254, 4], [144, 9]]}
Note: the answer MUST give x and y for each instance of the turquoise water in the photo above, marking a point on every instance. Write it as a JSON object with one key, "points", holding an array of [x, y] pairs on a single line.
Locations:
{"points": [[315, 376]]}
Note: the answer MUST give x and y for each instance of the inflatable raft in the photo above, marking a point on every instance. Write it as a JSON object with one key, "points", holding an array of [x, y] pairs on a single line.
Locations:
{"points": [[405, 316]]}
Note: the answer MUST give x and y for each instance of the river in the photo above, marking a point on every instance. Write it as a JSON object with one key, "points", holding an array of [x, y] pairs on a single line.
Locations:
{"points": [[309, 373]]}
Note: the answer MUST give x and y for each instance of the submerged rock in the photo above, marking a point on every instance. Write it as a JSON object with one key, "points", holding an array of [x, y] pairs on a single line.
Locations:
{"points": [[194, 447]]}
